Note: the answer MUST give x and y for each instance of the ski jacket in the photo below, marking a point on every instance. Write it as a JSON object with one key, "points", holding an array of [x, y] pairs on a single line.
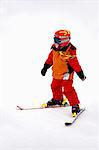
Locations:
{"points": [[63, 62]]}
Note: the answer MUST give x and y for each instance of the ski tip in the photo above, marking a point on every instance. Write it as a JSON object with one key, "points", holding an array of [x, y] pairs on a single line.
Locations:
{"points": [[68, 123], [19, 108]]}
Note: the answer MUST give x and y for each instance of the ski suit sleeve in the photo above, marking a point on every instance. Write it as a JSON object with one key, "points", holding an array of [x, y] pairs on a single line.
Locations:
{"points": [[48, 63], [50, 58], [74, 63]]}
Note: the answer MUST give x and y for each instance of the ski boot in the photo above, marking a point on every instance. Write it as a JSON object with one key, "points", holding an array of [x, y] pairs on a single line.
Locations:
{"points": [[64, 102], [54, 102], [75, 110]]}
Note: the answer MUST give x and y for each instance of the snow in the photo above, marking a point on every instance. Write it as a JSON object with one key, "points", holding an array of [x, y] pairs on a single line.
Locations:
{"points": [[26, 34], [45, 129]]}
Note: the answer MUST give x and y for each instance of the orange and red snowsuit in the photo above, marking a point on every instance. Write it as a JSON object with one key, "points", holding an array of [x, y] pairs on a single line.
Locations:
{"points": [[61, 62]]}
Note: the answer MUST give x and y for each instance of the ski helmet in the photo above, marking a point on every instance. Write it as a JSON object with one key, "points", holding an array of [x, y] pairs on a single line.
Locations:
{"points": [[62, 37]]}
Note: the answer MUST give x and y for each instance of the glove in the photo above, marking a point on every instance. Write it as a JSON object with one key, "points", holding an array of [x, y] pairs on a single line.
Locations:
{"points": [[81, 75], [44, 70], [83, 78]]}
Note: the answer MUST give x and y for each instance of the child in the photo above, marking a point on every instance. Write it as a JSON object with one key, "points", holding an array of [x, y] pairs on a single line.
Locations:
{"points": [[64, 62]]}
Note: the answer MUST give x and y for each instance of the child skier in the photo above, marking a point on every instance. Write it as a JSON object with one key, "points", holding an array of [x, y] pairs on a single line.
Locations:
{"points": [[64, 62]]}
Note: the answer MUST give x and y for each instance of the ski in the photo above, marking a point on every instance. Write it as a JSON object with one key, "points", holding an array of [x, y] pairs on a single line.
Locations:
{"points": [[70, 123], [32, 108]]}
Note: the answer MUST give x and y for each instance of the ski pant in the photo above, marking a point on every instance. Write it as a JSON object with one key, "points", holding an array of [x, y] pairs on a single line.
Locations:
{"points": [[60, 87]]}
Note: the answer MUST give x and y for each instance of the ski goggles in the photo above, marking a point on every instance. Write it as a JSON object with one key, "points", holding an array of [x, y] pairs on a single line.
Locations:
{"points": [[60, 41]]}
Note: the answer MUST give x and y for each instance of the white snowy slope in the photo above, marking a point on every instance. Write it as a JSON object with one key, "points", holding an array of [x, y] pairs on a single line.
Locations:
{"points": [[45, 129]]}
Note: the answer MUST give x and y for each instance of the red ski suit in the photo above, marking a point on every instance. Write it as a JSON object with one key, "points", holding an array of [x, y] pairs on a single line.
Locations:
{"points": [[60, 85]]}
